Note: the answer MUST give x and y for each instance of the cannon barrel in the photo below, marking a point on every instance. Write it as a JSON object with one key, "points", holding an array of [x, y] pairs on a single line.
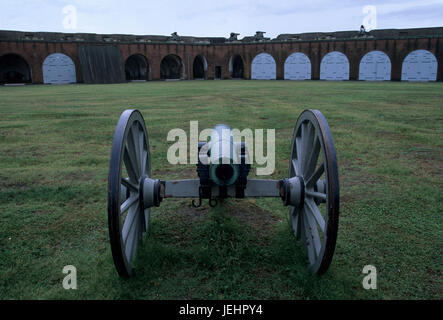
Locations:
{"points": [[224, 157]]}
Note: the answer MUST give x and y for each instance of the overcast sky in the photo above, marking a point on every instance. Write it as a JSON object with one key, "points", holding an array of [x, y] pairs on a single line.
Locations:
{"points": [[215, 18]]}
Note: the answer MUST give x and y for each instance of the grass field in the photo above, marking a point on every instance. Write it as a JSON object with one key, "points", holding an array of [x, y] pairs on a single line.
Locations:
{"points": [[55, 144]]}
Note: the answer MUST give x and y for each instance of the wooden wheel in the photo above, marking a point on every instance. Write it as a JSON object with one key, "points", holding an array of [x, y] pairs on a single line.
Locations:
{"points": [[314, 162], [130, 164]]}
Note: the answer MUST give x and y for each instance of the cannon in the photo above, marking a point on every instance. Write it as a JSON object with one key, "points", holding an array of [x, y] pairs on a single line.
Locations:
{"points": [[310, 190]]}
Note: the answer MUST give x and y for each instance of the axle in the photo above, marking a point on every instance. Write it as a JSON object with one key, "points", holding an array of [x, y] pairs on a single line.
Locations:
{"points": [[225, 175], [292, 191]]}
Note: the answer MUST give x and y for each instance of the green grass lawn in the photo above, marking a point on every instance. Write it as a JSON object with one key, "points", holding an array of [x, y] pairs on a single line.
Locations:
{"points": [[55, 144]]}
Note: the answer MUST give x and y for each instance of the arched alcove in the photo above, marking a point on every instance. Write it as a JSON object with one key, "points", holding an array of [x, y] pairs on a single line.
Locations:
{"points": [[171, 67], [14, 69], [236, 67], [137, 68], [199, 67]]}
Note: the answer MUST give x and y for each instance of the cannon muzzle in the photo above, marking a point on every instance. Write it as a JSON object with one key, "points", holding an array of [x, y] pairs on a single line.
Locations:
{"points": [[224, 157]]}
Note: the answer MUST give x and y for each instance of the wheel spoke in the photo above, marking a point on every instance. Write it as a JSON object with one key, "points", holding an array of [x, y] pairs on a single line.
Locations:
{"points": [[307, 238], [133, 239], [135, 136], [307, 139], [294, 219], [147, 214], [129, 184], [298, 226], [313, 158], [302, 148], [138, 233], [318, 195], [130, 229], [123, 194], [298, 145], [142, 151], [133, 151], [313, 232], [315, 176], [130, 167], [301, 228], [313, 209], [129, 222], [295, 167], [128, 203], [145, 162]]}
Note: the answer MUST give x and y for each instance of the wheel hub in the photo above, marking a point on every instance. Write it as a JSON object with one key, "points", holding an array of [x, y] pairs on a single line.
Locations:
{"points": [[149, 190], [292, 191]]}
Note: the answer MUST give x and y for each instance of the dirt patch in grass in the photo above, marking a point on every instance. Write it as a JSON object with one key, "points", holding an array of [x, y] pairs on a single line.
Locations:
{"points": [[261, 272], [13, 184], [246, 212], [190, 213], [77, 176], [185, 213], [243, 210], [348, 198], [41, 212], [435, 286], [427, 159], [391, 135]]}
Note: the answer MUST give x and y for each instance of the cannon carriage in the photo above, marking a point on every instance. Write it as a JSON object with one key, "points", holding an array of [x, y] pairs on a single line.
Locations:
{"points": [[311, 189]]}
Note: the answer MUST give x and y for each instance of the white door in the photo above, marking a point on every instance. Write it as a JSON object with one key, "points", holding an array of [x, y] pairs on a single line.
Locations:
{"points": [[297, 67], [375, 66], [58, 68], [419, 65], [334, 66], [263, 67]]}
